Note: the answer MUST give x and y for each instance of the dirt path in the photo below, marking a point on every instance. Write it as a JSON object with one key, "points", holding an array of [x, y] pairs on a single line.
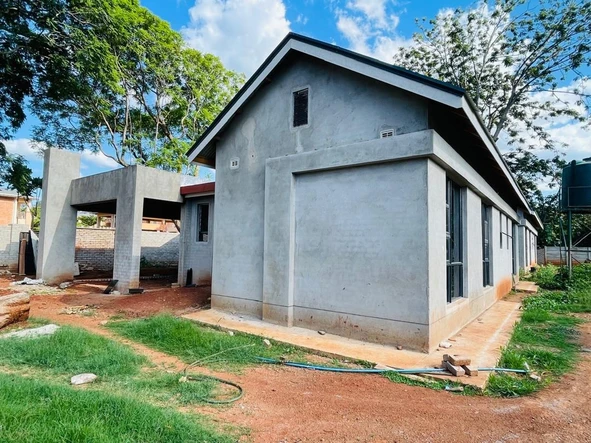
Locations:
{"points": [[291, 405]]}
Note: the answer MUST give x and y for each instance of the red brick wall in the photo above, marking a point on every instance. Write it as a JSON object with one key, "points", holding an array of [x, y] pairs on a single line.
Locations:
{"points": [[6, 210]]}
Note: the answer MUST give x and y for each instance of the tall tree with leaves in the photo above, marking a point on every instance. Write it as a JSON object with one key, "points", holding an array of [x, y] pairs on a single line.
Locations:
{"points": [[512, 56], [110, 76]]}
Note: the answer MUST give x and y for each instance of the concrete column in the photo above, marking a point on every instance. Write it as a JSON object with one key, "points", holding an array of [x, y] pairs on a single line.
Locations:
{"points": [[184, 238], [128, 232], [521, 239], [57, 238]]}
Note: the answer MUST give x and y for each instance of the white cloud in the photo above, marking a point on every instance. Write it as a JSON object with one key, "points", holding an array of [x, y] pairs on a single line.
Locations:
{"points": [[99, 160], [374, 10], [370, 28], [34, 152], [242, 33], [23, 147]]}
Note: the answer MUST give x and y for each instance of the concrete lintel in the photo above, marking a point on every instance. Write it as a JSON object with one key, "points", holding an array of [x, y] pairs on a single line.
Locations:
{"points": [[107, 186], [448, 157]]}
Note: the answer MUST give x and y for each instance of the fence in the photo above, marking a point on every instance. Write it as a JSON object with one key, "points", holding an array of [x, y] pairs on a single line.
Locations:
{"points": [[557, 255]]}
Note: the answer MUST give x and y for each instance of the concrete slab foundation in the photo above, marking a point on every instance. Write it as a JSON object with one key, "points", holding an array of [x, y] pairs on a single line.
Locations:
{"points": [[480, 340]]}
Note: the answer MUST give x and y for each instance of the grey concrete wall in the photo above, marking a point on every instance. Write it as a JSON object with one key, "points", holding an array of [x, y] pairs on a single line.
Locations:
{"points": [[284, 218], [360, 262], [344, 108], [57, 237], [10, 244], [194, 254]]}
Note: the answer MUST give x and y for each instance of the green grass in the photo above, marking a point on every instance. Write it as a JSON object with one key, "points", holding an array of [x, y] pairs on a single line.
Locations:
{"points": [[36, 411], [71, 351], [543, 340], [164, 388], [190, 342], [438, 385]]}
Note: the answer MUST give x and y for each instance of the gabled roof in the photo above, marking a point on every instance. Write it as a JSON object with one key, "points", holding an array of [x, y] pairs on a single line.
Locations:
{"points": [[442, 93]]}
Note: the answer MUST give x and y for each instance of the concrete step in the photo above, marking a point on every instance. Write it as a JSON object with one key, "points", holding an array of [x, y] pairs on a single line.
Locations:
{"points": [[528, 287]]}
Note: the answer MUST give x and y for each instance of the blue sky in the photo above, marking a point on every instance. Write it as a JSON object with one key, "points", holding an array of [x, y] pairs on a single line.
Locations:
{"points": [[243, 32]]}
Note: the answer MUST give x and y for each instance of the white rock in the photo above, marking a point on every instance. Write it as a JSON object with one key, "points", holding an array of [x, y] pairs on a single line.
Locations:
{"points": [[82, 379], [32, 333], [267, 343], [231, 333], [322, 332], [28, 281], [115, 293], [103, 322], [445, 345], [65, 285]]}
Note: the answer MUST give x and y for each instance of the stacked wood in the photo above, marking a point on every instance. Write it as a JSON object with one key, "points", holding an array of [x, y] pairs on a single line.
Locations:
{"points": [[14, 308]]}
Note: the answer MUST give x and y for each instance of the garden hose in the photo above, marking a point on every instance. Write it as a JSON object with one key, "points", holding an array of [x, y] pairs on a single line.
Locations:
{"points": [[201, 377], [378, 371]]}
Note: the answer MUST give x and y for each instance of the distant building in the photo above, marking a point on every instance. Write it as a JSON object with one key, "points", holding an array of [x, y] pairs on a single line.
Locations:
{"points": [[14, 209]]}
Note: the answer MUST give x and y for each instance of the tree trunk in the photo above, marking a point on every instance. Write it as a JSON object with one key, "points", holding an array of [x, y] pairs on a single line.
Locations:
{"points": [[14, 308]]}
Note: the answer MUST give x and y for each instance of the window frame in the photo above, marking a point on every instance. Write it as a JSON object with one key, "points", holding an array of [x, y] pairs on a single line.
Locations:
{"points": [[454, 227], [292, 113], [486, 213], [199, 231]]}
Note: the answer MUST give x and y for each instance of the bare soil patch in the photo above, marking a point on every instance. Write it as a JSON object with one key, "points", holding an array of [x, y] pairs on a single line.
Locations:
{"points": [[293, 405]]}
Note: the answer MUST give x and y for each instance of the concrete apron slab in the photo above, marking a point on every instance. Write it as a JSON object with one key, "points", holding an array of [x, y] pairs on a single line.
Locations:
{"points": [[480, 340]]}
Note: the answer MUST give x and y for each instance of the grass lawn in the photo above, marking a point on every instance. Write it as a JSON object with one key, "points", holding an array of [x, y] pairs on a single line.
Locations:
{"points": [[130, 401], [72, 351], [191, 342], [41, 411], [546, 337]]}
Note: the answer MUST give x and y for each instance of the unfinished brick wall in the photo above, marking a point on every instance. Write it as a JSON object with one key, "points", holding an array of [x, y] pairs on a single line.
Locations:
{"points": [[95, 248]]}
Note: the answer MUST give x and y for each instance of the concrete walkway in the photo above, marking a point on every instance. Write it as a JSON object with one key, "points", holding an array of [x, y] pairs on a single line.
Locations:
{"points": [[529, 287], [480, 340]]}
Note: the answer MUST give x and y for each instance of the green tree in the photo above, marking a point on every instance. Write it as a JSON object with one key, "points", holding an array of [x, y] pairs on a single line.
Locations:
{"points": [[86, 220], [109, 73], [511, 56]]}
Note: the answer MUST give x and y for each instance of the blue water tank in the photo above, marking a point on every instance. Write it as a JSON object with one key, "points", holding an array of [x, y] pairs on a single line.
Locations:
{"points": [[576, 186]]}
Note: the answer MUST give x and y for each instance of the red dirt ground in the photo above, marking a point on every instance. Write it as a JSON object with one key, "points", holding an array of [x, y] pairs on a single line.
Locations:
{"points": [[293, 405]]}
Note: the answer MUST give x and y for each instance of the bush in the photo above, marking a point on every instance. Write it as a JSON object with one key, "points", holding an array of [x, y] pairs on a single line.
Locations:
{"points": [[549, 277]]}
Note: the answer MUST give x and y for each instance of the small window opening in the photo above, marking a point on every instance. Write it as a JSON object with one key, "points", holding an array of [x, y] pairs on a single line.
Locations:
{"points": [[387, 133], [300, 108], [203, 222]]}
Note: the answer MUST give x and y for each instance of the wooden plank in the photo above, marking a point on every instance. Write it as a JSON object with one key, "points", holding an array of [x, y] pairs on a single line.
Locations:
{"points": [[110, 286], [14, 308]]}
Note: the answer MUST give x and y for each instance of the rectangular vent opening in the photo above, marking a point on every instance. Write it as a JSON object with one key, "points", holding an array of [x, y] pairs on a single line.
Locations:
{"points": [[387, 133], [300, 108]]}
